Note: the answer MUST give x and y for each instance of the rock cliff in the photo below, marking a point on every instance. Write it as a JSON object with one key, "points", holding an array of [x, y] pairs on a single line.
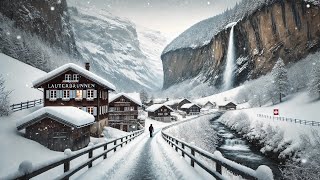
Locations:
{"points": [[289, 29]]}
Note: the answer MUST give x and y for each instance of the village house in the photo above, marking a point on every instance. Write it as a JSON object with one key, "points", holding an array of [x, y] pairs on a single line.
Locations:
{"points": [[124, 111], [72, 85], [160, 112], [58, 128], [191, 108], [228, 106], [177, 103], [209, 105]]}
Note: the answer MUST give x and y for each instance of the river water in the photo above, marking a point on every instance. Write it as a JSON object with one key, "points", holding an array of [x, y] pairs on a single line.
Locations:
{"points": [[237, 149]]}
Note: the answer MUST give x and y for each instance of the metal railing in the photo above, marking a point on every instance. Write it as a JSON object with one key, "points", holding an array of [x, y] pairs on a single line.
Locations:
{"points": [[89, 150], [25, 105], [217, 158], [291, 120]]}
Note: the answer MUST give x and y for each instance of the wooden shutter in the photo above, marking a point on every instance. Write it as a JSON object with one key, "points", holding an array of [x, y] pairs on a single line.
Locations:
{"points": [[94, 111], [60, 92], [47, 94], [84, 94], [70, 94], [95, 94], [84, 109]]}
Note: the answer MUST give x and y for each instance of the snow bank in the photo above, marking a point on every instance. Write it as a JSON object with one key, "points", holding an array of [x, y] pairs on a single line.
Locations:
{"points": [[113, 133]]}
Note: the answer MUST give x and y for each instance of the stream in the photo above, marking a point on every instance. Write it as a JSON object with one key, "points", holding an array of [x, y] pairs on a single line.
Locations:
{"points": [[237, 149]]}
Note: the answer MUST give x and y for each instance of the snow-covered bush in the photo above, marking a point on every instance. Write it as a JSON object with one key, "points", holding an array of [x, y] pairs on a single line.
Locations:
{"points": [[25, 167], [237, 121], [308, 165], [314, 84], [4, 98]]}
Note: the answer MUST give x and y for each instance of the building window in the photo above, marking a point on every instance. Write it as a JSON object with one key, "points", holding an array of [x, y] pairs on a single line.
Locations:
{"points": [[53, 94], [129, 108], [90, 93], [75, 77], [160, 114], [117, 109], [67, 77], [166, 114], [90, 110], [66, 95], [78, 94], [165, 110]]}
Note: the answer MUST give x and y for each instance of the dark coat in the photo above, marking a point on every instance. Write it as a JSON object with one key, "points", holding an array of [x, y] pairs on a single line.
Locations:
{"points": [[151, 128]]}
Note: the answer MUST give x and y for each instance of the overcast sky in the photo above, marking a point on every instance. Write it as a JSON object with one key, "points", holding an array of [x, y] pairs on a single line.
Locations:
{"points": [[170, 17]]}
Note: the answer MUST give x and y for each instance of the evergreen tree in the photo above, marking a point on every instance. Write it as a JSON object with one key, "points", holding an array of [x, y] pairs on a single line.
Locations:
{"points": [[280, 79], [144, 96], [4, 98], [314, 84]]}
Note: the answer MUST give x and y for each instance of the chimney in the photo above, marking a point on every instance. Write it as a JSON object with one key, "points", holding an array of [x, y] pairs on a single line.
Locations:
{"points": [[87, 66]]}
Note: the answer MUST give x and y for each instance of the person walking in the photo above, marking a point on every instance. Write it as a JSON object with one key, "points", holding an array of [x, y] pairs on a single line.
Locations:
{"points": [[151, 130]]}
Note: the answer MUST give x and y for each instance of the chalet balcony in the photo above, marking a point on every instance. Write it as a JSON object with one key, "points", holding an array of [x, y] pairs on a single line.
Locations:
{"points": [[123, 112], [123, 121], [126, 104]]}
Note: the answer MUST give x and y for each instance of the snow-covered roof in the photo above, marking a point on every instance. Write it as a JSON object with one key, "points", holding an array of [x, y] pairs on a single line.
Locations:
{"points": [[70, 66], [70, 116], [158, 101], [135, 97], [226, 103], [155, 107], [189, 105], [175, 101]]}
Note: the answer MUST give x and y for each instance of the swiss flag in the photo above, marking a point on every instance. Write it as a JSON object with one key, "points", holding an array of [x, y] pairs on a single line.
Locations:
{"points": [[276, 112]]}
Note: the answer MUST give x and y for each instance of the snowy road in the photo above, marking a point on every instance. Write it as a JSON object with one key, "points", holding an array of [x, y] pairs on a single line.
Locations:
{"points": [[144, 158]]}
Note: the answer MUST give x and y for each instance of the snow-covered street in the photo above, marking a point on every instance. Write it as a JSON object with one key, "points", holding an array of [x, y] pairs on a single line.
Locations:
{"points": [[144, 158]]}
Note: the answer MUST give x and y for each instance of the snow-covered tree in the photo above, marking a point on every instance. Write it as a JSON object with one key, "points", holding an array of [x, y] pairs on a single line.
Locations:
{"points": [[314, 84], [280, 79], [4, 98], [144, 96]]}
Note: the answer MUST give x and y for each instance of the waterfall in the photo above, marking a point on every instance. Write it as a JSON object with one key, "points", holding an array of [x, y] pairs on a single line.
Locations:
{"points": [[228, 75]]}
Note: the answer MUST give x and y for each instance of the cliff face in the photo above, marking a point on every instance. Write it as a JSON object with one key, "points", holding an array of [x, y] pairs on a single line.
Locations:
{"points": [[285, 28], [49, 19]]}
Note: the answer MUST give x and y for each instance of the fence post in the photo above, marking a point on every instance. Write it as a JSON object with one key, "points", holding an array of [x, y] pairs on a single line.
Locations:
{"points": [[115, 148], [21, 106], [66, 166], [182, 150], [105, 147], [177, 145], [192, 161], [126, 139], [218, 168], [90, 156], [121, 141]]}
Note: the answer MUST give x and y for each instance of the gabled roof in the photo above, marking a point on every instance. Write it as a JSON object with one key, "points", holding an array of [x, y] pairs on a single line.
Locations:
{"points": [[89, 75], [155, 107], [70, 116], [209, 102], [134, 97], [227, 103], [189, 105]]}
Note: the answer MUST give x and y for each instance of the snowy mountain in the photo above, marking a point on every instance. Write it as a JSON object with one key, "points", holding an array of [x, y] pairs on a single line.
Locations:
{"points": [[127, 56]]}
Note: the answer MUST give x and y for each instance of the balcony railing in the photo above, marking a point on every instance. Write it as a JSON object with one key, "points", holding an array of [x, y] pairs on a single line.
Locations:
{"points": [[123, 112]]}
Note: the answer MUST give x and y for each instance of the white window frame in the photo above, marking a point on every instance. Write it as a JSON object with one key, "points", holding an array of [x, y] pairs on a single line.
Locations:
{"points": [[75, 77], [78, 98], [160, 114], [66, 95], [90, 110], [67, 77], [53, 95], [90, 94]]}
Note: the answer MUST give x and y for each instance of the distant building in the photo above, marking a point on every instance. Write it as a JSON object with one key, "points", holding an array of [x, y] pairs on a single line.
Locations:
{"points": [[209, 105], [123, 111], [177, 103], [58, 128], [72, 85], [228, 106], [160, 112], [191, 108]]}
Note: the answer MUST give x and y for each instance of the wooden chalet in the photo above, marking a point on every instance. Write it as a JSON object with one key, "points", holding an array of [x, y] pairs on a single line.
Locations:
{"points": [[228, 106], [72, 85], [123, 111], [209, 105], [191, 108], [58, 128], [160, 112], [177, 104]]}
